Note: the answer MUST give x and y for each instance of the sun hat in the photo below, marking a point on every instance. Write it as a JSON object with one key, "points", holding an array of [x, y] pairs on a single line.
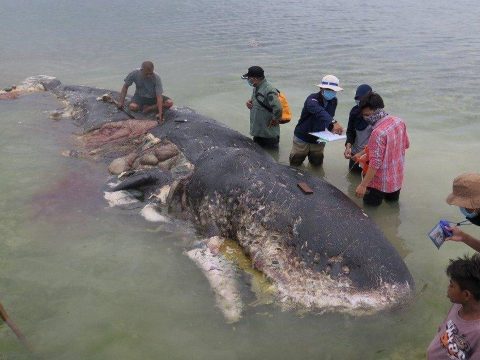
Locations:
{"points": [[466, 191], [362, 90], [254, 71], [330, 82]]}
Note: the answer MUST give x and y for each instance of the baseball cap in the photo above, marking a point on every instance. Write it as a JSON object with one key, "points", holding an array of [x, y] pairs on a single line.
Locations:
{"points": [[362, 90]]}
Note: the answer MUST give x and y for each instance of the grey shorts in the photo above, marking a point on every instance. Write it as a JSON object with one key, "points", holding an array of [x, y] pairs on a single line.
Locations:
{"points": [[144, 101]]}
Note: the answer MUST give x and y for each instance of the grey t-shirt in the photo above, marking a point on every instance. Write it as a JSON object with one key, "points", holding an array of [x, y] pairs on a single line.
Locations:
{"points": [[361, 139], [145, 87], [456, 338]]}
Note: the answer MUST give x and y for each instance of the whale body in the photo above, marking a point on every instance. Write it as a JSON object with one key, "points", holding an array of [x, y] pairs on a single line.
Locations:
{"points": [[320, 251]]}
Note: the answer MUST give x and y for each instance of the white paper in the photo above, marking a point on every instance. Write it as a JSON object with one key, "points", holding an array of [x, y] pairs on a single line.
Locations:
{"points": [[327, 136]]}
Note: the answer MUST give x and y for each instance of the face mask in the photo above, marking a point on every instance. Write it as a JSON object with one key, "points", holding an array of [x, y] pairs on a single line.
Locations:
{"points": [[468, 215], [370, 119], [329, 94], [377, 115], [250, 82], [357, 102]]}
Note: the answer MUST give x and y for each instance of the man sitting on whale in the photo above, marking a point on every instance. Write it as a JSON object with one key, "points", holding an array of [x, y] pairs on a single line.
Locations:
{"points": [[148, 95]]}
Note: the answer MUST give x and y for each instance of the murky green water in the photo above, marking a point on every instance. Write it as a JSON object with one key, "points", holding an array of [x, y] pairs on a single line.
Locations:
{"points": [[84, 281]]}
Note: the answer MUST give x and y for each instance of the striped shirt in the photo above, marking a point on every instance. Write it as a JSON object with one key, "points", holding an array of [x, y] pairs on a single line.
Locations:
{"points": [[386, 150]]}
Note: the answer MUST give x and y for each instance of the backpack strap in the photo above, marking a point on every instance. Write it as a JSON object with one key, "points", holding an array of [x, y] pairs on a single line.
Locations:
{"points": [[262, 104]]}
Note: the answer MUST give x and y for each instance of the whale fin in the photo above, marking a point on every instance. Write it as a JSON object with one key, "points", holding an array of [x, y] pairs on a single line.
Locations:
{"points": [[221, 274], [144, 178], [263, 289], [220, 259]]}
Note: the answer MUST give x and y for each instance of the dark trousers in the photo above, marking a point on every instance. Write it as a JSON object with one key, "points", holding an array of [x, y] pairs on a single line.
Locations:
{"points": [[374, 197], [354, 167], [271, 143], [144, 101]]}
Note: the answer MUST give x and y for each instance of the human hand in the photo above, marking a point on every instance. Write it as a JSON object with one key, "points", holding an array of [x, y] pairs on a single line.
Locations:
{"points": [[249, 103], [358, 156], [457, 234], [273, 123], [361, 190], [337, 128], [348, 152], [120, 105]]}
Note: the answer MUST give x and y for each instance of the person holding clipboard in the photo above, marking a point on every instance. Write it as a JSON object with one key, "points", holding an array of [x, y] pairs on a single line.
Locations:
{"points": [[317, 115]]}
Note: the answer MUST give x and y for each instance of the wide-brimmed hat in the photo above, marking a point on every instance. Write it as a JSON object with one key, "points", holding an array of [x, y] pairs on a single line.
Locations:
{"points": [[330, 82], [466, 191], [254, 71]]}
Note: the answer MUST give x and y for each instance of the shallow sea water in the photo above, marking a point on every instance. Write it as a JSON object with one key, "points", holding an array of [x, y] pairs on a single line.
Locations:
{"points": [[84, 281]]}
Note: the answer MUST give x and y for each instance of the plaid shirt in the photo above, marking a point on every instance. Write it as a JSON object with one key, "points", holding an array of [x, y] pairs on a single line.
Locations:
{"points": [[386, 151]]}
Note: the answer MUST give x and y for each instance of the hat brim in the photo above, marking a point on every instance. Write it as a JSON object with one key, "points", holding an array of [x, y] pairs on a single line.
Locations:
{"points": [[331, 87], [465, 202], [244, 76]]}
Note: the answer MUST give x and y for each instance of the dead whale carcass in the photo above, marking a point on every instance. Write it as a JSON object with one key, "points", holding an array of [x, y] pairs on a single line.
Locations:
{"points": [[320, 252]]}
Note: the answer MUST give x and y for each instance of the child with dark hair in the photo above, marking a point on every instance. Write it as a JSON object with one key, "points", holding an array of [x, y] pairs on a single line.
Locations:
{"points": [[459, 335]]}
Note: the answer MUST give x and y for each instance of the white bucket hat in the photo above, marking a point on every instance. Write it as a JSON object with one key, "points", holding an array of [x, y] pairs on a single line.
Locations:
{"points": [[330, 82]]}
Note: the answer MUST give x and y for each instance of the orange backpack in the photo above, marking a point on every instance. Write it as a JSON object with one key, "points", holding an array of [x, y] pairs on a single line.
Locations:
{"points": [[286, 112]]}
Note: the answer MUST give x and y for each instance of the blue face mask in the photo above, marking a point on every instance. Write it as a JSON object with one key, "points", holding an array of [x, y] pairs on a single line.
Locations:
{"points": [[329, 94], [250, 82], [468, 215]]}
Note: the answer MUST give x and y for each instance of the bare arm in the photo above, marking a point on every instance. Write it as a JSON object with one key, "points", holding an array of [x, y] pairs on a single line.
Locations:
{"points": [[362, 187], [460, 236], [276, 106], [123, 94], [337, 128], [359, 155], [348, 151]]}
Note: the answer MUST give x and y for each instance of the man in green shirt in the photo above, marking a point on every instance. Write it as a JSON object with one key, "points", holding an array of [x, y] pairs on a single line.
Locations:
{"points": [[265, 109]]}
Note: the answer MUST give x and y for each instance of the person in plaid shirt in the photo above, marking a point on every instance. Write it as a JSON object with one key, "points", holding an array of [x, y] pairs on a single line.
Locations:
{"points": [[386, 153]]}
